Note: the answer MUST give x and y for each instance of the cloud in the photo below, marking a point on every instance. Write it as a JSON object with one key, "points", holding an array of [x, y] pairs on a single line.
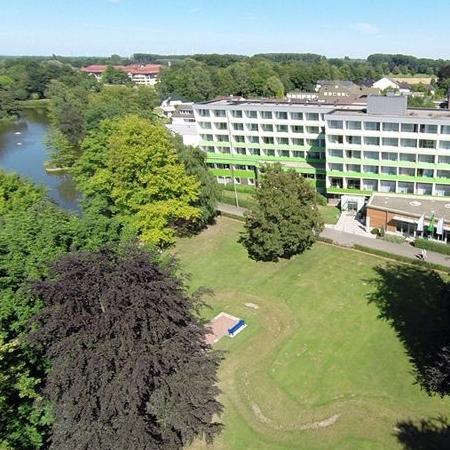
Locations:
{"points": [[365, 27]]}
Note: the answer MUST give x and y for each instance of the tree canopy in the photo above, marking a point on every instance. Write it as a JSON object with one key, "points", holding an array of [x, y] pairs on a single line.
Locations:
{"points": [[284, 220], [130, 366], [132, 167]]}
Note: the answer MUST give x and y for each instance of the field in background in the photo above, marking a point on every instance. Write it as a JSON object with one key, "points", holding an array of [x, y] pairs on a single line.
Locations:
{"points": [[315, 368]]}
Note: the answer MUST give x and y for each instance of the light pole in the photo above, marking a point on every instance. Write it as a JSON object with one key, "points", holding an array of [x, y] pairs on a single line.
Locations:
{"points": [[234, 185]]}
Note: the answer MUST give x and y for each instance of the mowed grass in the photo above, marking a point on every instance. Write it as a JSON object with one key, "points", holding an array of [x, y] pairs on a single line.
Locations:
{"points": [[315, 368]]}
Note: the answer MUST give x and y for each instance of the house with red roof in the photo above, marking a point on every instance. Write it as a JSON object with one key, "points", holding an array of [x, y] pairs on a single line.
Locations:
{"points": [[144, 74]]}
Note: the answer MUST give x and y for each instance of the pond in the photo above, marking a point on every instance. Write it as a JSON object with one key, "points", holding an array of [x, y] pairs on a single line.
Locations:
{"points": [[23, 151]]}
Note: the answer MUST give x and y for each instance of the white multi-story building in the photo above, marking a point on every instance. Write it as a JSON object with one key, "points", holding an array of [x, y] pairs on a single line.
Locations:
{"points": [[346, 149]]}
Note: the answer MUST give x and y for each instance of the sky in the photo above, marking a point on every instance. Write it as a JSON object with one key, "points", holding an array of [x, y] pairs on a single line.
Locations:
{"points": [[335, 28]]}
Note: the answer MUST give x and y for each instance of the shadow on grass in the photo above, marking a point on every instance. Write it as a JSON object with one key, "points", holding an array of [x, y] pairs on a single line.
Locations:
{"points": [[428, 434], [415, 301]]}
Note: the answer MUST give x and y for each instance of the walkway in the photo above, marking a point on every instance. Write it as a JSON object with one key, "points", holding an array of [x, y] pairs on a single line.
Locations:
{"points": [[405, 249], [348, 239], [349, 224]]}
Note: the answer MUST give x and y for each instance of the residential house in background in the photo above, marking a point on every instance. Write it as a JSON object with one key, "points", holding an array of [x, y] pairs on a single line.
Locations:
{"points": [[386, 83], [142, 74]]}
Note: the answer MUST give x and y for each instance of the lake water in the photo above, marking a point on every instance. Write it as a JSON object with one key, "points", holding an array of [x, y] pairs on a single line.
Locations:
{"points": [[23, 150]]}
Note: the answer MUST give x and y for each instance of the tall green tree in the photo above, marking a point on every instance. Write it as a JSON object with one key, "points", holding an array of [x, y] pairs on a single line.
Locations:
{"points": [[285, 219], [132, 167], [115, 76], [130, 365], [33, 232]]}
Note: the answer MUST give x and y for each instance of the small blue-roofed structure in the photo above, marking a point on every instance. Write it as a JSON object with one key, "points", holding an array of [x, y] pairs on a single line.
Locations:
{"points": [[236, 328]]}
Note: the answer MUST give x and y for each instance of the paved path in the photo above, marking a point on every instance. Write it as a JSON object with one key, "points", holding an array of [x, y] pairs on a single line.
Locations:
{"points": [[405, 249], [348, 239], [231, 209]]}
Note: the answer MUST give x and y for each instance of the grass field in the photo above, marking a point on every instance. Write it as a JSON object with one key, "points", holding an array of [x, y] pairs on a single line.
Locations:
{"points": [[315, 368]]}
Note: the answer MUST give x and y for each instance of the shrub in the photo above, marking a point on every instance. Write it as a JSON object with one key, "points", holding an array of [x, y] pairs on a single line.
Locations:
{"points": [[433, 246], [393, 238]]}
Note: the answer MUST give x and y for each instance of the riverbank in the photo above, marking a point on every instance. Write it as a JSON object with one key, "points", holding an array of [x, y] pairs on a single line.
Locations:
{"points": [[34, 103]]}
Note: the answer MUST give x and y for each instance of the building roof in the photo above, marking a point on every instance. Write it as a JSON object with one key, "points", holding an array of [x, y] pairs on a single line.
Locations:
{"points": [[412, 206], [133, 69]]}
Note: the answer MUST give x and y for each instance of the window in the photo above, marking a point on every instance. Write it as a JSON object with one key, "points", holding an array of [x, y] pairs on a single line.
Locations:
{"points": [[407, 157], [266, 114], [240, 151], [298, 154], [427, 143], [409, 127], [252, 127], [282, 115], [372, 140], [429, 159], [270, 152], [411, 143], [297, 116], [371, 155], [353, 125], [251, 181], [221, 126], [237, 180], [282, 128], [372, 126], [312, 116], [445, 129], [254, 151], [267, 127], [219, 113], [445, 145], [336, 124], [223, 150], [353, 154], [297, 129], [406, 171], [388, 170], [239, 138], [283, 140], [353, 168], [390, 142], [334, 153], [238, 126], [251, 114], [283, 153], [390, 126], [222, 138], [208, 149], [207, 137], [267, 140], [433, 129], [354, 140], [313, 130], [389, 156], [444, 159], [297, 141], [203, 112], [335, 139], [205, 125], [236, 113], [335, 166], [370, 169]]}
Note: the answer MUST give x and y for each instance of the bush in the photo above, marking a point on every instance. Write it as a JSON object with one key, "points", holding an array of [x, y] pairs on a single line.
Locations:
{"points": [[324, 239], [393, 238], [404, 259], [433, 246], [378, 232], [321, 200]]}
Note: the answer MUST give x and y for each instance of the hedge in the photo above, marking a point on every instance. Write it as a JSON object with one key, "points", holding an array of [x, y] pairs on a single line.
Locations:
{"points": [[433, 246], [404, 259]]}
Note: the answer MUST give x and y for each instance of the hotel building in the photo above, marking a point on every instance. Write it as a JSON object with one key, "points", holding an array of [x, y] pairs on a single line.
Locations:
{"points": [[349, 150], [143, 74]]}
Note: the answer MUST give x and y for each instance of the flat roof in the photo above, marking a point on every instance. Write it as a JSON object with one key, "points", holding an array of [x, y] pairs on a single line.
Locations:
{"points": [[410, 113], [412, 205]]}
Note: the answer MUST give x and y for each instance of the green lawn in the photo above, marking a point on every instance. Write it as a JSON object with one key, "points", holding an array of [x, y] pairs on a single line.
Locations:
{"points": [[314, 351], [330, 214]]}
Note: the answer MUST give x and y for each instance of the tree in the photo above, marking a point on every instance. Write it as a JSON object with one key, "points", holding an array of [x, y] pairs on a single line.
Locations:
{"points": [[116, 101], [33, 232], [130, 365], [115, 76], [194, 161], [132, 166], [285, 220]]}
